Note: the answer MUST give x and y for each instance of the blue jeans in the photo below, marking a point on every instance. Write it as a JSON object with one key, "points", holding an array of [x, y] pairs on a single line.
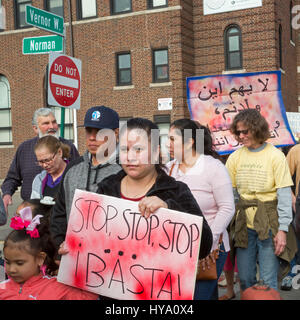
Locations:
{"points": [[204, 289], [296, 260], [261, 251]]}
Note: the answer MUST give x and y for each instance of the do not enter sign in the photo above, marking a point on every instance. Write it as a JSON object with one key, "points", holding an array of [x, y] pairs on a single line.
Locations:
{"points": [[64, 81]]}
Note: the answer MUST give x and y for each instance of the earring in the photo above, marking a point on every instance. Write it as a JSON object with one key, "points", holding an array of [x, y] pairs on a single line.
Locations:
{"points": [[43, 269]]}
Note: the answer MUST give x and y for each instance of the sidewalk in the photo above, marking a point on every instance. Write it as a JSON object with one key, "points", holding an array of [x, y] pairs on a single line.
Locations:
{"points": [[285, 295], [5, 230]]}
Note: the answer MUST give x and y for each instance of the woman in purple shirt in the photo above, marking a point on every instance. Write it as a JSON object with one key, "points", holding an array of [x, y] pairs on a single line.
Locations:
{"points": [[52, 155], [197, 164]]}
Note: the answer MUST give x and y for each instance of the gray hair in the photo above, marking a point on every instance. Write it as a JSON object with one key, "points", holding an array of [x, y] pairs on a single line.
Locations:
{"points": [[41, 112]]}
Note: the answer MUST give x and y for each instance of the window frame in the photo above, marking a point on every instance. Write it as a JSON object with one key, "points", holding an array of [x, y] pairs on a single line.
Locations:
{"points": [[150, 5], [2, 17], [280, 46], [226, 47], [118, 70], [17, 14], [47, 7], [154, 66], [79, 11], [163, 119], [112, 9], [8, 128], [291, 19]]}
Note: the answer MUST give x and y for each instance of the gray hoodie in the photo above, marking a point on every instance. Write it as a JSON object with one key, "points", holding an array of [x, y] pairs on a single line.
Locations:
{"points": [[79, 174]]}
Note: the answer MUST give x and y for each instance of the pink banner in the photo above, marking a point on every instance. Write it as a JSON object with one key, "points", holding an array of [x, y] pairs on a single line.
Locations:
{"points": [[215, 100], [115, 252]]}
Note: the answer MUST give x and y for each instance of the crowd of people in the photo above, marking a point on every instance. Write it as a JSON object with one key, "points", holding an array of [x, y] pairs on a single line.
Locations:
{"points": [[249, 202]]}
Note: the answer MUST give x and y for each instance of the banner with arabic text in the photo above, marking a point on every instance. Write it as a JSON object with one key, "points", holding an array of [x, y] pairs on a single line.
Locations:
{"points": [[215, 100]]}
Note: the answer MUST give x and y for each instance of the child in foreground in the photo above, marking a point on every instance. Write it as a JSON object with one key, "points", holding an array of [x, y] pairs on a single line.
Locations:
{"points": [[29, 258]]}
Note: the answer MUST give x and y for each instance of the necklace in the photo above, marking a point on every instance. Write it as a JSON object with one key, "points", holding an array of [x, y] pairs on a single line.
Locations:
{"points": [[144, 189]]}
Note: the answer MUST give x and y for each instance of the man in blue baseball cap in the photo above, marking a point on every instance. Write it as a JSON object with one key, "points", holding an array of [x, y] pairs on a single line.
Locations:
{"points": [[98, 162]]}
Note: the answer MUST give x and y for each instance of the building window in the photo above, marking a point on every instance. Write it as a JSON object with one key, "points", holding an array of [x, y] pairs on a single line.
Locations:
{"points": [[163, 123], [55, 6], [280, 46], [69, 134], [120, 6], [123, 69], [86, 9], [123, 121], [5, 112], [291, 19], [20, 13], [157, 3], [233, 48], [2, 17], [160, 65]]}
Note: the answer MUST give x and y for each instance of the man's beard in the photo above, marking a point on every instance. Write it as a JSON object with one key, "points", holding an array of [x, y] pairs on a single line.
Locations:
{"points": [[51, 132]]}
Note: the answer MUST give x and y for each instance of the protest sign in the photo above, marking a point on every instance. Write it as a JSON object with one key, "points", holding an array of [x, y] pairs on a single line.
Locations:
{"points": [[215, 100], [116, 252], [294, 122]]}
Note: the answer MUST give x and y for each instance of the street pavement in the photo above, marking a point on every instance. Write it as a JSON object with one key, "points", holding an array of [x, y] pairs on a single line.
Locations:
{"points": [[4, 231], [285, 295]]}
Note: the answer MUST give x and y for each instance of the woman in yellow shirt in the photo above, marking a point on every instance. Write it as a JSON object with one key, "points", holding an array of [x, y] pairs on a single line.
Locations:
{"points": [[261, 181]]}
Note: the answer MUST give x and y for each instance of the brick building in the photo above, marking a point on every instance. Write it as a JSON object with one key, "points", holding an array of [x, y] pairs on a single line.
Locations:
{"points": [[135, 52]]}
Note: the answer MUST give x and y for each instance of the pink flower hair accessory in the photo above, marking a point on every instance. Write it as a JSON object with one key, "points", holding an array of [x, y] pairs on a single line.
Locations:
{"points": [[26, 221]]}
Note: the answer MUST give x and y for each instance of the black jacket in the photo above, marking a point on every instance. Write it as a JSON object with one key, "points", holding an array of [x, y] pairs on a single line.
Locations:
{"points": [[175, 193]]}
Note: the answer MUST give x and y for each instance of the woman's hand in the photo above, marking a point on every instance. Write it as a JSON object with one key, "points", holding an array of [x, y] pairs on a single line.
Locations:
{"points": [[149, 205], [206, 262], [62, 249], [279, 242]]}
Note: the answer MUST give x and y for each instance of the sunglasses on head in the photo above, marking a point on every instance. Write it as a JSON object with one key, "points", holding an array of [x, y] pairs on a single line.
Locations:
{"points": [[238, 132]]}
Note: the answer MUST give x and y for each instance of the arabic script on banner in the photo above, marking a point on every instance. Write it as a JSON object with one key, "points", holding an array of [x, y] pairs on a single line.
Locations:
{"points": [[215, 100]]}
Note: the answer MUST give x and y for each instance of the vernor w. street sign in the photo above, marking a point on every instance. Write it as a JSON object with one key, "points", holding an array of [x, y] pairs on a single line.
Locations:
{"points": [[44, 20], [43, 44]]}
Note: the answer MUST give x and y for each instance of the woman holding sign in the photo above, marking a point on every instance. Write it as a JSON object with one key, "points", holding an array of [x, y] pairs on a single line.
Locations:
{"points": [[144, 180], [197, 164], [261, 179]]}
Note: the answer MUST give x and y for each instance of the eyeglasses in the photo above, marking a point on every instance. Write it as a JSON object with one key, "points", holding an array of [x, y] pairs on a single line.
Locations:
{"points": [[46, 161], [244, 132]]}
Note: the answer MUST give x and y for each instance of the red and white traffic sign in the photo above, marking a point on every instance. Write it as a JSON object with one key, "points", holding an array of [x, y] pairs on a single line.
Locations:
{"points": [[64, 81]]}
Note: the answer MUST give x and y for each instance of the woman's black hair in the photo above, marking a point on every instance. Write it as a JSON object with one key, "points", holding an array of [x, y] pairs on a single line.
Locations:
{"points": [[38, 208], [193, 126], [152, 131]]}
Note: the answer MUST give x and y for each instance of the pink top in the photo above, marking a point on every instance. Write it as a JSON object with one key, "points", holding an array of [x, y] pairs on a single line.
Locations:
{"points": [[42, 288], [211, 186]]}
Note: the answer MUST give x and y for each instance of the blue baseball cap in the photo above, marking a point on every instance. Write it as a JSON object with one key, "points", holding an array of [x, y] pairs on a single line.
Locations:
{"points": [[101, 117]]}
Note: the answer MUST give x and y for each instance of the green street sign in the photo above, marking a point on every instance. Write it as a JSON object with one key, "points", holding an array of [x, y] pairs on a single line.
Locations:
{"points": [[44, 20], [43, 44]]}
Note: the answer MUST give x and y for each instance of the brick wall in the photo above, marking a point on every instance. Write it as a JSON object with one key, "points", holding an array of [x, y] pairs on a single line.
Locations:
{"points": [[195, 44]]}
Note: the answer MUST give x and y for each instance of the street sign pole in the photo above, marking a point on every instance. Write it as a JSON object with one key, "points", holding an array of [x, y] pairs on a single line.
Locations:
{"points": [[53, 23], [62, 109], [72, 55]]}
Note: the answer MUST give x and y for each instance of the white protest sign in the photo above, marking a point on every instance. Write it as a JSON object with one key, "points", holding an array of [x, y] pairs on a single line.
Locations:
{"points": [[116, 252]]}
